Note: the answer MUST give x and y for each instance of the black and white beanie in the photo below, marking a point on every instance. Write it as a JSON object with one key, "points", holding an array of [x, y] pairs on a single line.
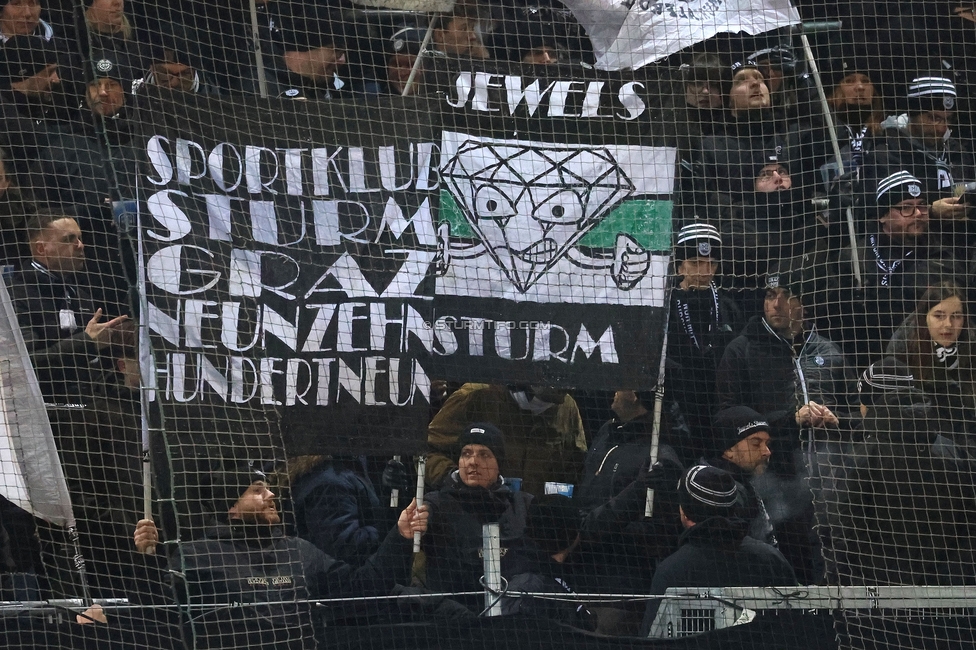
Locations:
{"points": [[705, 491], [931, 94], [734, 424], [697, 240], [741, 65], [883, 378], [487, 434], [896, 188]]}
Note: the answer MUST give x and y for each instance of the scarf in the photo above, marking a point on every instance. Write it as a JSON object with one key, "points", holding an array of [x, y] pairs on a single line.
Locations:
{"points": [[946, 358], [887, 267], [694, 320]]}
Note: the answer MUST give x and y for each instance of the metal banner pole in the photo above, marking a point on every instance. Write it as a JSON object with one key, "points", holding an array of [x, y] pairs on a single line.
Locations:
{"points": [[835, 144], [492, 556], [258, 53]]}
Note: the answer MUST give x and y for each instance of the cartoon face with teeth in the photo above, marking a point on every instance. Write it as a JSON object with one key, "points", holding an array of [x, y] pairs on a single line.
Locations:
{"points": [[530, 205]]}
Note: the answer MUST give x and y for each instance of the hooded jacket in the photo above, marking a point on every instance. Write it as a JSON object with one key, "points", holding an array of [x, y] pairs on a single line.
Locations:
{"points": [[620, 546], [338, 510], [717, 552]]}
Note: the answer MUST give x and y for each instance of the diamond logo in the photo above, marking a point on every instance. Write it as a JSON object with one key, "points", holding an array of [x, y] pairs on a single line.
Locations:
{"points": [[528, 205]]}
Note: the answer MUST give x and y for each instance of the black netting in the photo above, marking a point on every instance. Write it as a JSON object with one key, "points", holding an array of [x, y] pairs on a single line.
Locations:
{"points": [[658, 308]]}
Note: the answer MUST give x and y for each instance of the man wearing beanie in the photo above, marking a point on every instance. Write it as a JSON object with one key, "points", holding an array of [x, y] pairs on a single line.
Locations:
{"points": [[920, 142], [715, 549], [902, 254], [882, 379], [246, 558], [473, 495], [401, 53], [79, 152], [703, 320], [723, 168], [543, 432], [741, 448]]}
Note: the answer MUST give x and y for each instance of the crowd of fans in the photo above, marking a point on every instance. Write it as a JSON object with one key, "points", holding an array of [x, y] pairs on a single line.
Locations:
{"points": [[819, 334]]}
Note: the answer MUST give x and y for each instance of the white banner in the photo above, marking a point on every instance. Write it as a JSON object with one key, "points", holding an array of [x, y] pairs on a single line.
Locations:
{"points": [[628, 34], [531, 203], [30, 471]]}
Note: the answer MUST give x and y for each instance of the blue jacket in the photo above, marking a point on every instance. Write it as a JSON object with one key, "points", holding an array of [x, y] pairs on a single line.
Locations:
{"points": [[337, 509]]}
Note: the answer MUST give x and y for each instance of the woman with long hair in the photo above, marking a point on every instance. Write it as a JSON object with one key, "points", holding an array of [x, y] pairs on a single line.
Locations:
{"points": [[856, 104], [936, 342]]}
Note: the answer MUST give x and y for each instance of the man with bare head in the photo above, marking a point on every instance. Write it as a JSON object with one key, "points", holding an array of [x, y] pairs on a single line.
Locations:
{"points": [[55, 309]]}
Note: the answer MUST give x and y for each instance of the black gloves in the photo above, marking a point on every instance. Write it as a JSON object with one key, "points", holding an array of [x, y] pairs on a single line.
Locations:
{"points": [[395, 476]]}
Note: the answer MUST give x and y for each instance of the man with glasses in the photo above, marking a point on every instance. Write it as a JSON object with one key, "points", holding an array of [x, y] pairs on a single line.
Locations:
{"points": [[920, 142], [900, 257]]}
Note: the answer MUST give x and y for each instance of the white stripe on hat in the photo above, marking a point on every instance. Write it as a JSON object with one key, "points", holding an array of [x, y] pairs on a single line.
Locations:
{"points": [[886, 381], [931, 86], [894, 180], [708, 496], [696, 231]]}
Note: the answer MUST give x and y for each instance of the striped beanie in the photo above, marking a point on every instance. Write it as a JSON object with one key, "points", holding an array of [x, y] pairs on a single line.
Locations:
{"points": [[882, 378], [931, 94], [896, 188], [705, 491], [697, 239]]}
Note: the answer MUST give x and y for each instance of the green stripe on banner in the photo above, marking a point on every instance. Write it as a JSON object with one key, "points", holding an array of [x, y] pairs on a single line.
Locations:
{"points": [[450, 212], [647, 221]]}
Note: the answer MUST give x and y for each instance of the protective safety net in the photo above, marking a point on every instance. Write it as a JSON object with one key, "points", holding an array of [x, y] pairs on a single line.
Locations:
{"points": [[482, 323]]}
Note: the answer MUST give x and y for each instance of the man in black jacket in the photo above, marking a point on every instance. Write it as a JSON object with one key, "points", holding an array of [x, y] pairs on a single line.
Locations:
{"points": [[900, 257], [619, 545], [55, 310], [248, 560], [473, 495], [715, 549], [782, 369]]}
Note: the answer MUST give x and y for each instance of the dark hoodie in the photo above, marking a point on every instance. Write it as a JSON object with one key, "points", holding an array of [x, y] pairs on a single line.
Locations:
{"points": [[717, 553]]}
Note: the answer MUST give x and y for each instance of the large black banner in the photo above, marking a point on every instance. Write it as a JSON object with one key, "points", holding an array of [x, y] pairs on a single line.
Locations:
{"points": [[324, 262], [286, 256]]}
